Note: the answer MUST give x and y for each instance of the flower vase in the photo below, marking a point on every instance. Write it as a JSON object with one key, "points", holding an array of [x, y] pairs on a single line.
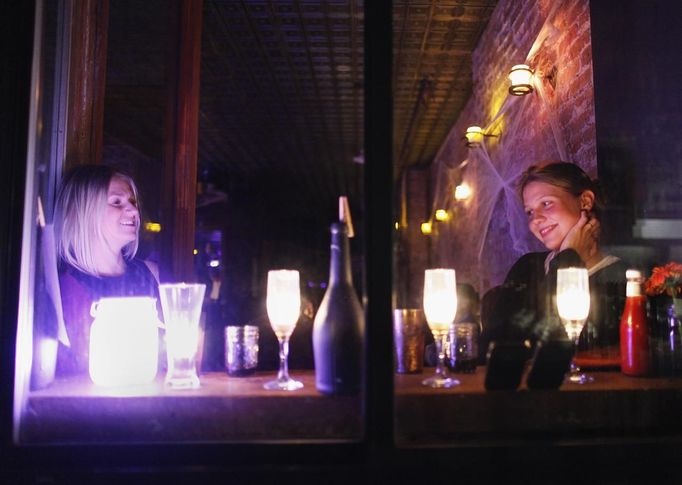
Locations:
{"points": [[665, 323]]}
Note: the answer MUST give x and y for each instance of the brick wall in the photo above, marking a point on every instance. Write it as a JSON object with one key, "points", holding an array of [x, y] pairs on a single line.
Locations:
{"points": [[413, 248], [480, 247]]}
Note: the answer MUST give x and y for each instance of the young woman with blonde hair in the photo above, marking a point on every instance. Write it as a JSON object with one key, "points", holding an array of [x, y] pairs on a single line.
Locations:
{"points": [[97, 224]]}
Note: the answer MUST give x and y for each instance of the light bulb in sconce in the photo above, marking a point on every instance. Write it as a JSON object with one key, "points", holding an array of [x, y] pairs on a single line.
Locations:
{"points": [[442, 215], [426, 228], [462, 192], [521, 77], [474, 136]]}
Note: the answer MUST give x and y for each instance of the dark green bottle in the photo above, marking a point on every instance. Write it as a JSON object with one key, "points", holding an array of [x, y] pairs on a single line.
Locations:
{"points": [[339, 326]]}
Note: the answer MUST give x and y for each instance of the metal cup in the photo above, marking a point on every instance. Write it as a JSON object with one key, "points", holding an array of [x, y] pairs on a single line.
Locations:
{"points": [[408, 334], [241, 349]]}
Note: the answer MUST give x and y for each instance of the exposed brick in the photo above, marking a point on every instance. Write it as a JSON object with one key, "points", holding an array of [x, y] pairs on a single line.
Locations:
{"points": [[526, 132]]}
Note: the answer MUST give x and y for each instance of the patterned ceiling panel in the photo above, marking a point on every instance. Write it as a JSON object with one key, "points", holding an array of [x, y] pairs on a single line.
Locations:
{"points": [[282, 87], [282, 94]]}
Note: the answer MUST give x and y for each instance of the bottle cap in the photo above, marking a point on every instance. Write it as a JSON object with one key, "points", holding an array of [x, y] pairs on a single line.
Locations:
{"points": [[633, 274], [344, 215]]}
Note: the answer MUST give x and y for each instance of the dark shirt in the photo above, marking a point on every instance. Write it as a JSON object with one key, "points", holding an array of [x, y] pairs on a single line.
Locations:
{"points": [[523, 307], [79, 290]]}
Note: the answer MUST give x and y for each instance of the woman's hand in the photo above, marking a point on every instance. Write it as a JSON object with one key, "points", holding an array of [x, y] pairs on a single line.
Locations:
{"points": [[584, 238]]}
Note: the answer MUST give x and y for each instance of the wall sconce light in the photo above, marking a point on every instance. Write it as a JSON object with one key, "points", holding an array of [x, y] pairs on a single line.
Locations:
{"points": [[521, 80], [442, 215], [152, 227], [426, 228], [474, 136], [462, 192]]}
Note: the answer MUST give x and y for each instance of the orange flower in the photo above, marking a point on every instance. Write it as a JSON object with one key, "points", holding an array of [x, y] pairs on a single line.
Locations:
{"points": [[665, 279]]}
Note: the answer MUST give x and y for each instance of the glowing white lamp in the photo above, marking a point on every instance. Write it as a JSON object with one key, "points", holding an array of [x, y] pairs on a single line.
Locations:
{"points": [[124, 341], [520, 76], [474, 136]]}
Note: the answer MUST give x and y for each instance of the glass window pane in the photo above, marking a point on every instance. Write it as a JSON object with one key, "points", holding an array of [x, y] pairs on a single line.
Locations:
{"points": [[466, 131], [275, 182]]}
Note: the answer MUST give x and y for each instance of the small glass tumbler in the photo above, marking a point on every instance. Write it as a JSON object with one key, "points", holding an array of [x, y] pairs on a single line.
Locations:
{"points": [[241, 350], [463, 347]]}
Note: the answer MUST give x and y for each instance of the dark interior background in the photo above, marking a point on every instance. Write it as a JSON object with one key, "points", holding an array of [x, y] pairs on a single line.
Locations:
{"points": [[281, 123]]}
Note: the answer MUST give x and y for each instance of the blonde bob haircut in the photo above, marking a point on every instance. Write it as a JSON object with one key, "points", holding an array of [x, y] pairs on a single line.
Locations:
{"points": [[78, 213]]}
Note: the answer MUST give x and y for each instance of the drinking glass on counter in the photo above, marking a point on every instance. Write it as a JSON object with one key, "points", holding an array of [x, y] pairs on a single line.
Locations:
{"points": [[241, 349], [463, 347], [440, 308], [573, 303], [181, 304], [408, 343], [283, 303]]}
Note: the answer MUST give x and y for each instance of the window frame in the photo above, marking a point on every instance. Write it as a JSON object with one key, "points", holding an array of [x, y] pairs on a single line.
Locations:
{"points": [[377, 451]]}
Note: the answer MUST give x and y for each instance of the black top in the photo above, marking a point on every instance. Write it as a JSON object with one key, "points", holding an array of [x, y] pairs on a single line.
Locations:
{"points": [[79, 290], [523, 307]]}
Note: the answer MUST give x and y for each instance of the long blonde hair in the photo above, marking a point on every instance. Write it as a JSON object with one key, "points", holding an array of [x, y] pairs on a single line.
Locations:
{"points": [[78, 214]]}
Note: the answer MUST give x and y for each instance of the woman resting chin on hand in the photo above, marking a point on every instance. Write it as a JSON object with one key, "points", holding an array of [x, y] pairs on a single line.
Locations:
{"points": [[562, 204]]}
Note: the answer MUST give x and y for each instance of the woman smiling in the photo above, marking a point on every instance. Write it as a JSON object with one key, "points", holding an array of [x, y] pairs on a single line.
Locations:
{"points": [[97, 223], [563, 206]]}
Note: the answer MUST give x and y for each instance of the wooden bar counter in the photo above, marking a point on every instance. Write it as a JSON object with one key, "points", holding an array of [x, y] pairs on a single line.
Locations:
{"points": [[614, 406], [229, 409], [223, 409]]}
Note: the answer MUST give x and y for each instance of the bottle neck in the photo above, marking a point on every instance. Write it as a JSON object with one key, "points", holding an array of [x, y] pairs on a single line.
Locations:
{"points": [[633, 288], [339, 264]]}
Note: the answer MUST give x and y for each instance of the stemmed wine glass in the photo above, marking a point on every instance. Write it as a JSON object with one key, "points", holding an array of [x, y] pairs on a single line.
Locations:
{"points": [[440, 308], [284, 306], [573, 303]]}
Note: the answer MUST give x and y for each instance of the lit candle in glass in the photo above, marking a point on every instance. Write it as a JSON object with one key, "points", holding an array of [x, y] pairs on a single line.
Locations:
{"points": [[283, 302], [440, 308], [573, 303]]}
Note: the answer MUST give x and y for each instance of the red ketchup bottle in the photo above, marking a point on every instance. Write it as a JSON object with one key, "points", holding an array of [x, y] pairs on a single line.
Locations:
{"points": [[634, 332]]}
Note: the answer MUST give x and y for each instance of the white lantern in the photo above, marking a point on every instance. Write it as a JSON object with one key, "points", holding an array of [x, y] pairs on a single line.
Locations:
{"points": [[124, 341]]}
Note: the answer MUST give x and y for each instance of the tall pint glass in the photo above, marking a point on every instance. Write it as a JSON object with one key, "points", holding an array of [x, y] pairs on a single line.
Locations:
{"points": [[181, 305]]}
